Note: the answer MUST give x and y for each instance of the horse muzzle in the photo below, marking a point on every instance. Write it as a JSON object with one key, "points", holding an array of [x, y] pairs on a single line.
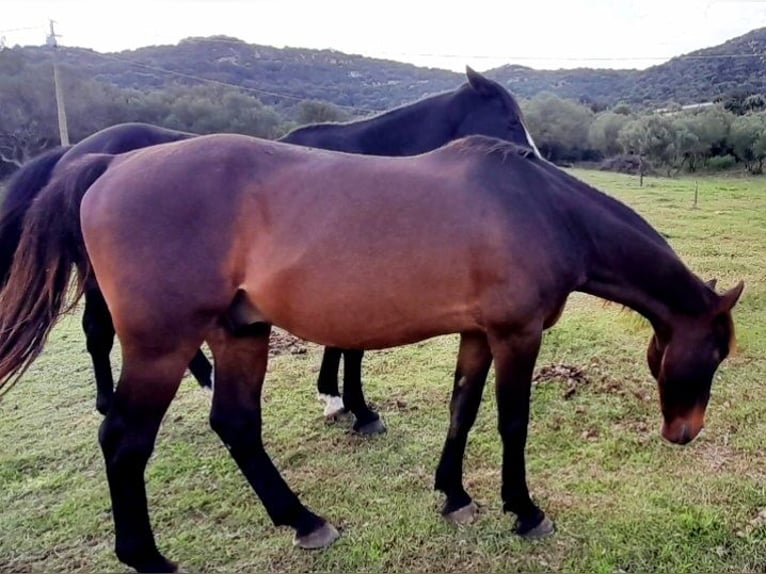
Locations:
{"points": [[684, 429]]}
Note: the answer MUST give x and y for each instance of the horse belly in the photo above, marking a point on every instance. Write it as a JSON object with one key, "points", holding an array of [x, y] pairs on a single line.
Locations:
{"points": [[364, 305]]}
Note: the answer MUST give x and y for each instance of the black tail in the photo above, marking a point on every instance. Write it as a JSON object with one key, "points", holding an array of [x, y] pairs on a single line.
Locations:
{"points": [[51, 243], [20, 192]]}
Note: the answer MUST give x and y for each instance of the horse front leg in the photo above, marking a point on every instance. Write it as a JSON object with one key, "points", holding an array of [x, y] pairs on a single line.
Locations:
{"points": [[473, 362], [240, 368], [515, 354], [367, 420]]}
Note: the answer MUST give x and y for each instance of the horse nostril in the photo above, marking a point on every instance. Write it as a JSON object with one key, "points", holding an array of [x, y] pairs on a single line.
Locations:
{"points": [[678, 434]]}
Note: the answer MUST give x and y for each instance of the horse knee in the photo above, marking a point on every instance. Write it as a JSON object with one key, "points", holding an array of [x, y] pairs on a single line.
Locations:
{"points": [[512, 427]]}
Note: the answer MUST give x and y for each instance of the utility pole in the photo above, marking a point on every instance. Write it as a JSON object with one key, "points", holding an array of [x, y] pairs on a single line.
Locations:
{"points": [[63, 129]]}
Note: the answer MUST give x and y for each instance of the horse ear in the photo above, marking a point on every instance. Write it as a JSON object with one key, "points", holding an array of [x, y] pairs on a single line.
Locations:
{"points": [[479, 83], [712, 283], [730, 298]]}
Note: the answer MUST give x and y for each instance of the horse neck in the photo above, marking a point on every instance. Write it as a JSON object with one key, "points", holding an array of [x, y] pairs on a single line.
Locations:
{"points": [[629, 266], [406, 130]]}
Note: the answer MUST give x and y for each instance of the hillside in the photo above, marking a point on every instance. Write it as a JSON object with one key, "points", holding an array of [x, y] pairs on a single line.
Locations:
{"points": [[738, 65], [363, 84], [356, 82]]}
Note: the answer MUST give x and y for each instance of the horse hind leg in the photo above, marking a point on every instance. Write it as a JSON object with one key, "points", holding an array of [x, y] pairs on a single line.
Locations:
{"points": [[149, 380], [367, 420], [241, 356], [99, 338], [201, 369], [327, 382]]}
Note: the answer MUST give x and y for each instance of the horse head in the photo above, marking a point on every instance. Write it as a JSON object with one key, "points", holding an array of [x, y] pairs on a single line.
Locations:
{"points": [[683, 360], [486, 108]]}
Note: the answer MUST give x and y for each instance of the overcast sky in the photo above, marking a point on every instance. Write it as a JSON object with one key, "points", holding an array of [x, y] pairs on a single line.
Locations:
{"points": [[445, 34]]}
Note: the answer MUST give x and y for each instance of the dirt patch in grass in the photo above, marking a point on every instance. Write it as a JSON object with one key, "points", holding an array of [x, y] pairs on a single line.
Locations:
{"points": [[283, 343]]}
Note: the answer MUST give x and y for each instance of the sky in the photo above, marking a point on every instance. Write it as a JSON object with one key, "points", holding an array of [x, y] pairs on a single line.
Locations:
{"points": [[543, 34]]}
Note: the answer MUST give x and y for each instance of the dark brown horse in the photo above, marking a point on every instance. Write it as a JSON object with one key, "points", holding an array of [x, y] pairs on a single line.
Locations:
{"points": [[479, 237], [479, 106]]}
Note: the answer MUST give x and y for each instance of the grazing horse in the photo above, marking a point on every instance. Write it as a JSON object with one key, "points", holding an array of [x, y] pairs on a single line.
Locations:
{"points": [[479, 237], [480, 106]]}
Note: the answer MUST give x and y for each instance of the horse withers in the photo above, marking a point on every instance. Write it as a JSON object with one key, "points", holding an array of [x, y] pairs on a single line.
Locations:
{"points": [[479, 237]]}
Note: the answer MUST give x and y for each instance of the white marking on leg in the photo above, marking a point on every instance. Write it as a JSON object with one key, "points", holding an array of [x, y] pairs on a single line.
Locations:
{"points": [[332, 405]]}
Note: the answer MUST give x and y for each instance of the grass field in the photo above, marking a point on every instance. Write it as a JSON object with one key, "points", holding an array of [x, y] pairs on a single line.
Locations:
{"points": [[623, 499]]}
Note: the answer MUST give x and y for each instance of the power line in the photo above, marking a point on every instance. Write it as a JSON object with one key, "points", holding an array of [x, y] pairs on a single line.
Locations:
{"points": [[25, 29], [453, 56], [580, 59]]}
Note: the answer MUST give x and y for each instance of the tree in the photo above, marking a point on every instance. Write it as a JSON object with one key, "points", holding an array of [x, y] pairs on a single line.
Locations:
{"points": [[622, 108], [28, 121], [604, 131], [754, 103], [702, 134], [748, 139], [650, 137], [560, 127], [314, 112]]}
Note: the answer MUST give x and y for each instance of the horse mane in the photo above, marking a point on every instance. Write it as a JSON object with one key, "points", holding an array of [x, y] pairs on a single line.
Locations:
{"points": [[493, 147], [502, 150]]}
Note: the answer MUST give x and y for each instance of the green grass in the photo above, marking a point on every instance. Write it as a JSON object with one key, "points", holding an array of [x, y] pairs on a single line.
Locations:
{"points": [[623, 499]]}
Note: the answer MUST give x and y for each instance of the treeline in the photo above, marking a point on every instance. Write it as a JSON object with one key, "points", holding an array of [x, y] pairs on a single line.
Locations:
{"points": [[731, 132], [29, 121], [718, 136]]}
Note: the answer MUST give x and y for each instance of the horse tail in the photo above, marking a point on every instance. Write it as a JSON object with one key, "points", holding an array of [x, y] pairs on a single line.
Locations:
{"points": [[37, 286], [20, 192]]}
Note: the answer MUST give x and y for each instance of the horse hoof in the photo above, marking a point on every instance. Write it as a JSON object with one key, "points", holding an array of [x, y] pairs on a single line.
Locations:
{"points": [[465, 515], [371, 428], [319, 538], [158, 564], [333, 405], [544, 529]]}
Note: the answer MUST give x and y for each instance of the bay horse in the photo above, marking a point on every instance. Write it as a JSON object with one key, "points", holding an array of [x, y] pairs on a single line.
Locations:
{"points": [[479, 237], [479, 106]]}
